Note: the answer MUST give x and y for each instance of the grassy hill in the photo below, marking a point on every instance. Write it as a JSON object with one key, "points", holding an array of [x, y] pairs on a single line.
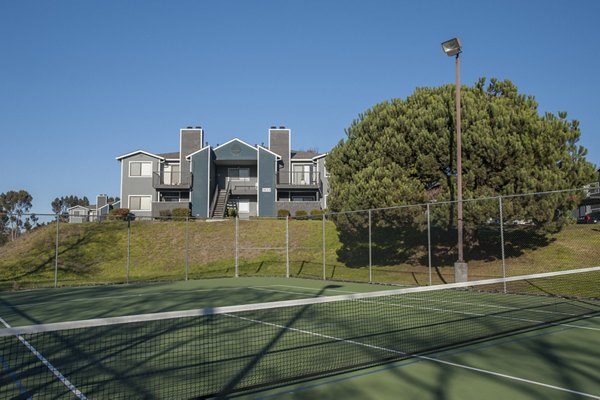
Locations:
{"points": [[96, 253]]}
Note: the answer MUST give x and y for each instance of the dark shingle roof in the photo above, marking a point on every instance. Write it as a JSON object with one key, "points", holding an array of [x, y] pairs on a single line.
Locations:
{"points": [[303, 155], [174, 154]]}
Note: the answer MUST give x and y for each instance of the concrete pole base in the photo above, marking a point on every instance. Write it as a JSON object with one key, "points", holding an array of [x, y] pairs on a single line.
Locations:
{"points": [[460, 272]]}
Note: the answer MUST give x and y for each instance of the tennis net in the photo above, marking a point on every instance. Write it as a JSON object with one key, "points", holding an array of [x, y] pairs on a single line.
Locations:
{"points": [[216, 352]]}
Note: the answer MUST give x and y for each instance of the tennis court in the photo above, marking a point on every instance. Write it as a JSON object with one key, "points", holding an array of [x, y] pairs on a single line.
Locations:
{"points": [[280, 338]]}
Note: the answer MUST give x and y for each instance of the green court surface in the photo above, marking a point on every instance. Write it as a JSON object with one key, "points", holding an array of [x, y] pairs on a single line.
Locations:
{"points": [[469, 345]]}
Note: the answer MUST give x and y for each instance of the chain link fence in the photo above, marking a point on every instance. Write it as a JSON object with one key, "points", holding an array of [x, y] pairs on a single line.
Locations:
{"points": [[408, 245]]}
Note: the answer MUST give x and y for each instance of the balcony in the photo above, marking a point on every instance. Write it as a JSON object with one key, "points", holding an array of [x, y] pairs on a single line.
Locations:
{"points": [[593, 190], [243, 186], [299, 179], [170, 180]]}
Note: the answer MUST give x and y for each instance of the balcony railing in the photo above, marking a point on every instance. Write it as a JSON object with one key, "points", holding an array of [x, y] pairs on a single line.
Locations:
{"points": [[593, 189], [298, 178], [242, 185], [167, 180]]}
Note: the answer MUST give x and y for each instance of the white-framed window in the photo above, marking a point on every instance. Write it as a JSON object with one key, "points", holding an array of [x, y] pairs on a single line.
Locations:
{"points": [[325, 171], [172, 174], [140, 169], [140, 203], [174, 196], [301, 174]]}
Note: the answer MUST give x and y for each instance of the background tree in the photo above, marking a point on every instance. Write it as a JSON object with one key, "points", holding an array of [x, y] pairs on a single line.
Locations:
{"points": [[15, 207], [62, 204], [403, 152]]}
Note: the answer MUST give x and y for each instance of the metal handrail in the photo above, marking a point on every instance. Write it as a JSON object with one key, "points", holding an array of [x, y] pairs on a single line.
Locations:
{"points": [[227, 189]]}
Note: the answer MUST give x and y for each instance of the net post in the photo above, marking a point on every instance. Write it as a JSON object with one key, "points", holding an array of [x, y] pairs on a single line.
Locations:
{"points": [[187, 249], [287, 247], [56, 253], [500, 208], [324, 270], [370, 251], [237, 247], [429, 241]]}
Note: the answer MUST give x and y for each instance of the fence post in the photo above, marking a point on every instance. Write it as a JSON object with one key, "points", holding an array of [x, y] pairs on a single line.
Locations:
{"points": [[287, 247], [429, 241], [128, 247], [324, 270], [56, 253], [187, 249], [370, 251], [237, 250], [502, 240]]}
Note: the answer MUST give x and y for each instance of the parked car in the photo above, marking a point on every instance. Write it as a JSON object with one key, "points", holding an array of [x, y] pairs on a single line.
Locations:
{"points": [[593, 218]]}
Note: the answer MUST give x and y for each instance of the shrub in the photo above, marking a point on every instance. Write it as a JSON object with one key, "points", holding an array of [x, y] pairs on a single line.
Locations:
{"points": [[301, 214], [316, 213], [232, 212], [165, 214], [118, 213], [181, 212], [283, 213]]}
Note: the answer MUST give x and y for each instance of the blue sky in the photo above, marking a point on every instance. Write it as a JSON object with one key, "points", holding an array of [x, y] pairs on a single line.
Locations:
{"points": [[82, 82]]}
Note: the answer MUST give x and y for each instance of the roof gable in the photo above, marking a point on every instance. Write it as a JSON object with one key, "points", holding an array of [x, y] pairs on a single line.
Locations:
{"points": [[236, 149], [133, 153]]}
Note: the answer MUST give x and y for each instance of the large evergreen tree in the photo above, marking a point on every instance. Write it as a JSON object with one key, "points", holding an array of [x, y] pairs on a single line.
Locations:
{"points": [[403, 152], [14, 214], [60, 205]]}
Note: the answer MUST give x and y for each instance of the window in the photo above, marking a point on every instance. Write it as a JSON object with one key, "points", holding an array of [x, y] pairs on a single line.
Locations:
{"points": [[239, 174], [140, 169], [172, 174], [301, 175], [140, 203], [174, 196], [325, 171]]}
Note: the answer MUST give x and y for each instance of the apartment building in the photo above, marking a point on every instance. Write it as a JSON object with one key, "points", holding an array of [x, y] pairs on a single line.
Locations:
{"points": [[255, 180]]}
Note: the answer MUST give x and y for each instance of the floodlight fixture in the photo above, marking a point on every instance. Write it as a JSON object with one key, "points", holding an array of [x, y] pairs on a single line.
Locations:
{"points": [[452, 47]]}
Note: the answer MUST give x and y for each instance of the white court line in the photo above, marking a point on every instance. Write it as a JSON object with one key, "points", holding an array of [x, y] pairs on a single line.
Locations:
{"points": [[47, 363], [442, 310], [436, 360]]}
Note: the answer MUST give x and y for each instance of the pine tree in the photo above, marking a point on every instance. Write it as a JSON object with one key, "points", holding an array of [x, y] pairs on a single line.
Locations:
{"points": [[403, 152]]}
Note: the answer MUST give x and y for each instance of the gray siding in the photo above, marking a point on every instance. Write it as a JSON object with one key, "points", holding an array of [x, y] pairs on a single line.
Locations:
{"points": [[236, 150], [200, 194], [133, 186], [167, 205], [267, 166]]}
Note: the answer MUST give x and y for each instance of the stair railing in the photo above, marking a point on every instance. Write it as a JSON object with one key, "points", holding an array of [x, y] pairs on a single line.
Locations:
{"points": [[214, 202], [226, 197]]}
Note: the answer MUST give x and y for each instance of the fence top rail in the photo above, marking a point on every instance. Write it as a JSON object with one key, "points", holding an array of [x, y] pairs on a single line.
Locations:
{"points": [[586, 188], [504, 196]]}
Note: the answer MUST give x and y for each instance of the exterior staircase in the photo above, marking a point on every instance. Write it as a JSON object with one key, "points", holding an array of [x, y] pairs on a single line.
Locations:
{"points": [[220, 208]]}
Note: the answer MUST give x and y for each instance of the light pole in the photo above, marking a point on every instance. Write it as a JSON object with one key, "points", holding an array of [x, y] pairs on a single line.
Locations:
{"points": [[452, 48]]}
